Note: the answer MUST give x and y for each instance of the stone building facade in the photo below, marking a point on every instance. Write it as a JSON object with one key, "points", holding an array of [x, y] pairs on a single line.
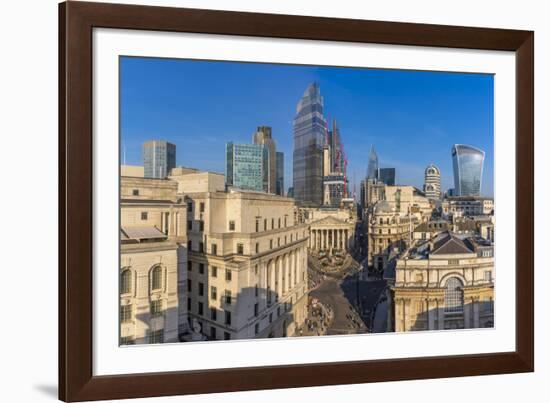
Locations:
{"points": [[389, 232], [247, 263], [444, 283], [331, 234], [152, 253]]}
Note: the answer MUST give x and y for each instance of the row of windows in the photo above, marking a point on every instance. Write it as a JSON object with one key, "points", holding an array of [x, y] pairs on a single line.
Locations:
{"points": [[126, 280], [213, 314], [190, 207], [240, 246], [227, 298], [213, 270], [156, 308], [265, 222]]}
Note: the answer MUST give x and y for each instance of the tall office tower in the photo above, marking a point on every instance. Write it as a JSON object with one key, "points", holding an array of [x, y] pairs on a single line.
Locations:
{"points": [[432, 182], [159, 157], [263, 136], [309, 133], [372, 169], [468, 170], [387, 176], [337, 157], [245, 166], [280, 188]]}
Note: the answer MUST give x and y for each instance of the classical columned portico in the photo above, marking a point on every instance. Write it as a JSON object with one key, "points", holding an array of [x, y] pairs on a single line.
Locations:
{"points": [[330, 234]]}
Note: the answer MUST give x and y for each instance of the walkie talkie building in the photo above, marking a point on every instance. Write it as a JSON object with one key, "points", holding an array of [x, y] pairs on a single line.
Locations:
{"points": [[309, 134], [468, 169]]}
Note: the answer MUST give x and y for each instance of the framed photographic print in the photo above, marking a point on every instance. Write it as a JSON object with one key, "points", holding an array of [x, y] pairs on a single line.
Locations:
{"points": [[252, 201]]}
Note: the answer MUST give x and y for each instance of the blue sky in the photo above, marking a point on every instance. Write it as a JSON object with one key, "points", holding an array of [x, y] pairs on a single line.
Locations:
{"points": [[412, 118]]}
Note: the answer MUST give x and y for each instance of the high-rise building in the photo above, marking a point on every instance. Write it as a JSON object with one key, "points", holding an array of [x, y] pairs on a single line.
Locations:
{"points": [[159, 157], [280, 187], [432, 182], [309, 134], [337, 157], [245, 164], [387, 176], [468, 170], [263, 136], [372, 169]]}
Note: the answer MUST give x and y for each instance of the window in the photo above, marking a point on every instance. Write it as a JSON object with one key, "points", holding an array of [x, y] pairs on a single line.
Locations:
{"points": [[256, 290], [240, 248], [278, 311], [231, 225], [190, 246], [201, 289], [214, 271], [212, 333], [256, 270], [189, 285], [190, 207], [227, 275], [488, 275], [135, 192], [256, 328], [156, 278], [213, 292], [189, 304], [257, 247], [214, 249], [125, 281], [279, 226], [201, 225], [125, 341], [144, 215], [213, 313], [189, 225], [201, 268], [201, 207], [272, 223], [228, 318], [228, 297], [156, 307], [257, 225], [189, 265], [226, 336], [454, 296], [125, 313], [285, 220], [291, 237], [271, 317], [265, 224], [278, 241], [285, 240], [271, 244], [256, 309], [201, 308], [156, 336], [201, 247]]}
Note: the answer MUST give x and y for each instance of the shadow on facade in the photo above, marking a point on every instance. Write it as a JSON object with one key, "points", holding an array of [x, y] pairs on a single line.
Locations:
{"points": [[473, 315]]}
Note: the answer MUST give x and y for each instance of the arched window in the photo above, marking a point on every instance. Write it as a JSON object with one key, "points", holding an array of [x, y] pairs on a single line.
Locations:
{"points": [[156, 278], [125, 281], [454, 295]]}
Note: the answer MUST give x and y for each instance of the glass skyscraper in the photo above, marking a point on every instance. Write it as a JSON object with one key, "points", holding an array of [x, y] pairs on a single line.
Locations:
{"points": [[468, 170], [372, 168], [309, 133], [159, 157], [387, 176], [280, 173], [245, 165]]}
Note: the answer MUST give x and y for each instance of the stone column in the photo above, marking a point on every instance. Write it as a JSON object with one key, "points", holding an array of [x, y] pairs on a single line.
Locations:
{"points": [[467, 320], [440, 314], [431, 313], [475, 302]]}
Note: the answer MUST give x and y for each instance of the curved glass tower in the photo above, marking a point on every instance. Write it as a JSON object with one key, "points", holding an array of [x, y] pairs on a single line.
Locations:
{"points": [[468, 169], [309, 133]]}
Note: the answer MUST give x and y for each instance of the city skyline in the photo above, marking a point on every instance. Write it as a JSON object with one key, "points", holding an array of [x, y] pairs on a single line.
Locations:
{"points": [[376, 107]]}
